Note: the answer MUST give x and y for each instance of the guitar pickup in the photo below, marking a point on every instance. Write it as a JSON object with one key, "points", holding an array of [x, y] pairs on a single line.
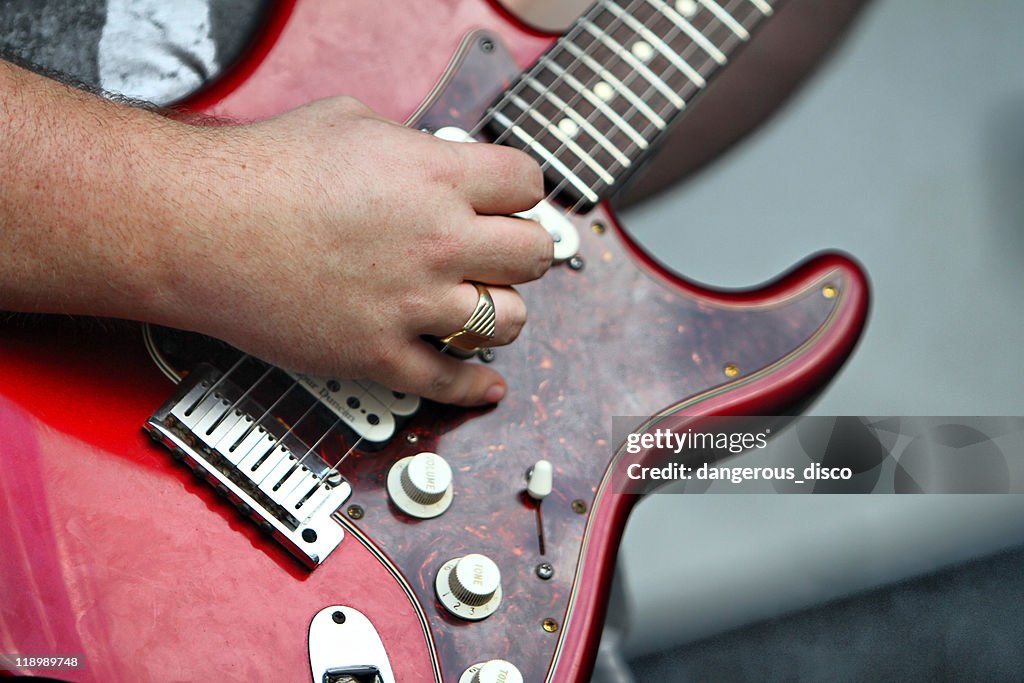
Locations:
{"points": [[367, 408], [254, 460]]}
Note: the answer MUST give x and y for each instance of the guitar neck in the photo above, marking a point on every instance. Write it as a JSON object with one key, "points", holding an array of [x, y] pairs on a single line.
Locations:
{"points": [[592, 107]]}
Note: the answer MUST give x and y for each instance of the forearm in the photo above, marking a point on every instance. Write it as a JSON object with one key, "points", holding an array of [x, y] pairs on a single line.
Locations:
{"points": [[92, 201], [326, 240]]}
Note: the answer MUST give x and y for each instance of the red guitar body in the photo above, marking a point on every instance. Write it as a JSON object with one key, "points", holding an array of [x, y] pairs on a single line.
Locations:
{"points": [[113, 551]]}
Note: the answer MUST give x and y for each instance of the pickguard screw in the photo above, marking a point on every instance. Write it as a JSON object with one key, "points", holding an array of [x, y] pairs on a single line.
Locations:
{"points": [[355, 512], [545, 570], [579, 506], [412, 437], [598, 227], [576, 263], [731, 370], [550, 625], [829, 292], [487, 45], [338, 617], [486, 355]]}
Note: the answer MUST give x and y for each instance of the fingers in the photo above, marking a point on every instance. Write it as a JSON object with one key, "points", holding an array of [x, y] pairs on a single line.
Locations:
{"points": [[499, 250], [499, 180], [421, 370], [452, 312]]}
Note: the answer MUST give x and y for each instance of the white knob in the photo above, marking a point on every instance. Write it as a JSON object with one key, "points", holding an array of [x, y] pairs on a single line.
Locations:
{"points": [[539, 483], [470, 586], [494, 671], [421, 485]]}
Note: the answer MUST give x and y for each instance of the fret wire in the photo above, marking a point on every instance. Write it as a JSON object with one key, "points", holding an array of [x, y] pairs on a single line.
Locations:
{"points": [[547, 155], [688, 48], [731, 38], [628, 79], [565, 140], [532, 72], [565, 44], [731, 7], [627, 89], [675, 32], [548, 59], [726, 18], [658, 43], [637, 65], [492, 113], [585, 91], [581, 122], [619, 86], [599, 105], [691, 31]]}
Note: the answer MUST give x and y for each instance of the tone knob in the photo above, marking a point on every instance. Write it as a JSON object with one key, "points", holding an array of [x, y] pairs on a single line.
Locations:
{"points": [[421, 485], [469, 587], [494, 671]]}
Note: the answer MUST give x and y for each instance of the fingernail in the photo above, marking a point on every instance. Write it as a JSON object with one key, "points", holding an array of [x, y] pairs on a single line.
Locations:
{"points": [[495, 393]]}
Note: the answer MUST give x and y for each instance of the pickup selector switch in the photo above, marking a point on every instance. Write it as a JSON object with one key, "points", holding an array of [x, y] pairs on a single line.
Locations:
{"points": [[469, 587], [494, 671], [421, 485]]}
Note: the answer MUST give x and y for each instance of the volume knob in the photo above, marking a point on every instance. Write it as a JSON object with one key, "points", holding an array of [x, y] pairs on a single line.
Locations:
{"points": [[421, 485], [469, 587], [494, 671]]}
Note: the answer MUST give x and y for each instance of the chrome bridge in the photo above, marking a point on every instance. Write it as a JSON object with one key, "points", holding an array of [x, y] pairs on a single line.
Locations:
{"points": [[250, 457]]}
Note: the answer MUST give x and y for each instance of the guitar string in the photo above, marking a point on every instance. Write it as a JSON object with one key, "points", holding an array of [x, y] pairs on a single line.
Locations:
{"points": [[213, 387], [570, 69], [257, 423], [280, 441], [334, 468], [668, 110], [691, 47], [664, 76], [234, 405], [532, 72], [476, 129]]}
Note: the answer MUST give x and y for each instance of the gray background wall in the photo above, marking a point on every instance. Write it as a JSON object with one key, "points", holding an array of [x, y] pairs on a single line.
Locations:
{"points": [[906, 150]]}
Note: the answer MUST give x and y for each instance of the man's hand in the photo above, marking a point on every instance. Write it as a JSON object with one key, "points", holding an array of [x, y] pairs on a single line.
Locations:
{"points": [[327, 240], [339, 239]]}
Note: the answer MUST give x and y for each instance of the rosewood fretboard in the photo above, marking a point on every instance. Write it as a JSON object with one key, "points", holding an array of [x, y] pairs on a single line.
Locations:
{"points": [[593, 105]]}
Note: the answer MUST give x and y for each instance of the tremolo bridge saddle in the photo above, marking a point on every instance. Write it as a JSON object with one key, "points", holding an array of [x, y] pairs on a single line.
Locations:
{"points": [[257, 461]]}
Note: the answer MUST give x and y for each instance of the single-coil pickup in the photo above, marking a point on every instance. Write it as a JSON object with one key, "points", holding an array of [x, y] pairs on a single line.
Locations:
{"points": [[368, 409]]}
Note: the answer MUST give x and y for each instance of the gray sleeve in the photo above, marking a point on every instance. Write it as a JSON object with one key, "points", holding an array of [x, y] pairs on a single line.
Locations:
{"points": [[148, 50]]}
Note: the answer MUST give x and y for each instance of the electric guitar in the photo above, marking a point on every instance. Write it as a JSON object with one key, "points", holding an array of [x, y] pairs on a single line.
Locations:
{"points": [[336, 529]]}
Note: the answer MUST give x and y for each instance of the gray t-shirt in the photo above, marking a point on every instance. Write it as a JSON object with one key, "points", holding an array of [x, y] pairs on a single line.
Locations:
{"points": [[151, 50]]}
